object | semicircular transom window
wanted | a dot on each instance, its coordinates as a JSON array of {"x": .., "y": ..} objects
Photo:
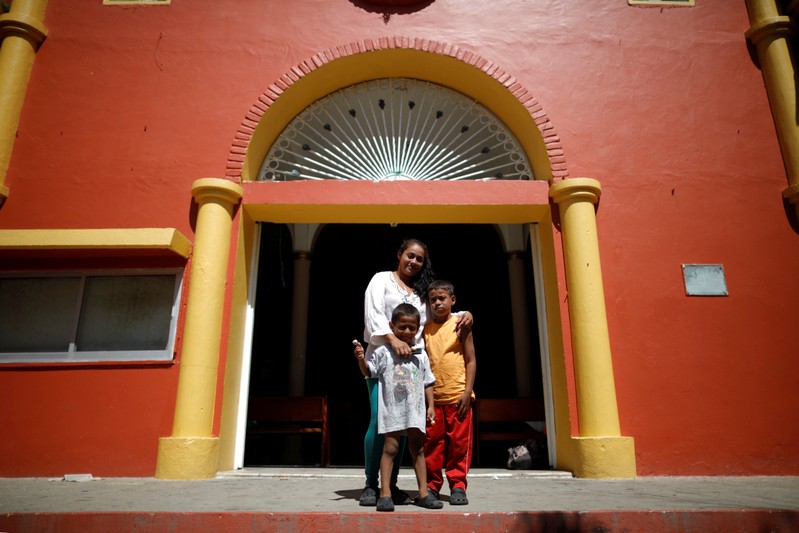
[{"x": 395, "y": 129}]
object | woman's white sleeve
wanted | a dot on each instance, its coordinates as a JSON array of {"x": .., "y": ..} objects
[{"x": 374, "y": 315}]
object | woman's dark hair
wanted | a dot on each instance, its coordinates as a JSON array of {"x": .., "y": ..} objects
[{"x": 426, "y": 274}]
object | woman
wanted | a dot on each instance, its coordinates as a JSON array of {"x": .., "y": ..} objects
[{"x": 406, "y": 284}]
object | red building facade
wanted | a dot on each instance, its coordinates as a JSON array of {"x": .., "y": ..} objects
[{"x": 135, "y": 165}]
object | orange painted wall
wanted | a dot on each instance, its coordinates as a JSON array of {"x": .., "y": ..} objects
[
  {"x": 127, "y": 106},
  {"x": 99, "y": 420}
]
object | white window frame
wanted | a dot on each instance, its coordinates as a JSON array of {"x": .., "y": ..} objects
[{"x": 74, "y": 356}]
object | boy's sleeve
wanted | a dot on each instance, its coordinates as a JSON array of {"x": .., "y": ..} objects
[
  {"x": 376, "y": 362},
  {"x": 371, "y": 367}
]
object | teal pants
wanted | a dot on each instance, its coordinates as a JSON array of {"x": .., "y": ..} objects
[{"x": 373, "y": 442}]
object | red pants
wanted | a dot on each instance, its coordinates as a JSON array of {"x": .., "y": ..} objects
[{"x": 448, "y": 446}]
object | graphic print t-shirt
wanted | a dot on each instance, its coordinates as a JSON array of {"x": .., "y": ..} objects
[{"x": 401, "y": 402}]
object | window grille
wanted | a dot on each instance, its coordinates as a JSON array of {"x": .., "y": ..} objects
[{"x": 396, "y": 129}]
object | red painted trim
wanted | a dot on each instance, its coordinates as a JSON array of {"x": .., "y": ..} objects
[
  {"x": 461, "y": 193},
  {"x": 729, "y": 521}
]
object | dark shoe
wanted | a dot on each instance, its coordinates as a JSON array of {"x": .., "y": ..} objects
[
  {"x": 368, "y": 497},
  {"x": 400, "y": 497},
  {"x": 429, "y": 502},
  {"x": 434, "y": 492},
  {"x": 458, "y": 497},
  {"x": 385, "y": 504}
]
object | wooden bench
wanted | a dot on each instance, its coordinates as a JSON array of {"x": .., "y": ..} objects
[
  {"x": 506, "y": 419},
  {"x": 289, "y": 415}
]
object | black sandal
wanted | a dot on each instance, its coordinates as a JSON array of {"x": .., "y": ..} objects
[
  {"x": 458, "y": 497},
  {"x": 385, "y": 504},
  {"x": 429, "y": 502},
  {"x": 368, "y": 497}
]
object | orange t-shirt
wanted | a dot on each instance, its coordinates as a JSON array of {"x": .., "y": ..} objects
[{"x": 446, "y": 360}]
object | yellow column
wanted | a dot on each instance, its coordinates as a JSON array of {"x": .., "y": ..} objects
[
  {"x": 770, "y": 33},
  {"x": 192, "y": 452},
  {"x": 21, "y": 32},
  {"x": 603, "y": 451}
]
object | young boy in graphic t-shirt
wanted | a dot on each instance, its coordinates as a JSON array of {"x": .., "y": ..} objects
[{"x": 405, "y": 403}]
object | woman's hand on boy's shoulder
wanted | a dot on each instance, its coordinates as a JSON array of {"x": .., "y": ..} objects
[{"x": 463, "y": 322}]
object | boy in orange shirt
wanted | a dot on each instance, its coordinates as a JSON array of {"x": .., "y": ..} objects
[{"x": 448, "y": 441}]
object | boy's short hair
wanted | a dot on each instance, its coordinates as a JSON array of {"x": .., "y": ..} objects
[
  {"x": 405, "y": 310},
  {"x": 442, "y": 284}
]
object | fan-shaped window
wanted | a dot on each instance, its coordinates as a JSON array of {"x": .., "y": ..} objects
[{"x": 392, "y": 129}]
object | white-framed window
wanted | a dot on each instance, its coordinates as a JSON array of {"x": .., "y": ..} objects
[{"x": 89, "y": 316}]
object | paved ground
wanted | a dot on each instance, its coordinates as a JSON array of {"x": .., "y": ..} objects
[{"x": 336, "y": 490}]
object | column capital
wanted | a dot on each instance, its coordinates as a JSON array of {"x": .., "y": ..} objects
[
  {"x": 574, "y": 189},
  {"x": 206, "y": 189},
  {"x": 20, "y": 25},
  {"x": 770, "y": 27}
]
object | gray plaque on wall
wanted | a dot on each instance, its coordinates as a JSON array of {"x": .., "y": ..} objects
[{"x": 704, "y": 280}]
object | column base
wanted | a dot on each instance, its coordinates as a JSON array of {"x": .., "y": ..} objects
[
  {"x": 187, "y": 457},
  {"x": 605, "y": 457}
]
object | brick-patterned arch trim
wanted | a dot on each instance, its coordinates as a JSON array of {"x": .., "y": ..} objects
[{"x": 238, "y": 150}]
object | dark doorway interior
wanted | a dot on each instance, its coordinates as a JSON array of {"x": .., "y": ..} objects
[{"x": 344, "y": 259}]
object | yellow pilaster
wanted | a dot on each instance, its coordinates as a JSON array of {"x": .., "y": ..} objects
[
  {"x": 770, "y": 33},
  {"x": 21, "y": 32},
  {"x": 602, "y": 450},
  {"x": 192, "y": 452}
]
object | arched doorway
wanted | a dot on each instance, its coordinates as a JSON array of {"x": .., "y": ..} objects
[
  {"x": 598, "y": 449},
  {"x": 501, "y": 198},
  {"x": 344, "y": 258},
  {"x": 386, "y": 130}
]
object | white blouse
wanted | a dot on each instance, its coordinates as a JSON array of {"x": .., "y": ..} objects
[{"x": 382, "y": 295}]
